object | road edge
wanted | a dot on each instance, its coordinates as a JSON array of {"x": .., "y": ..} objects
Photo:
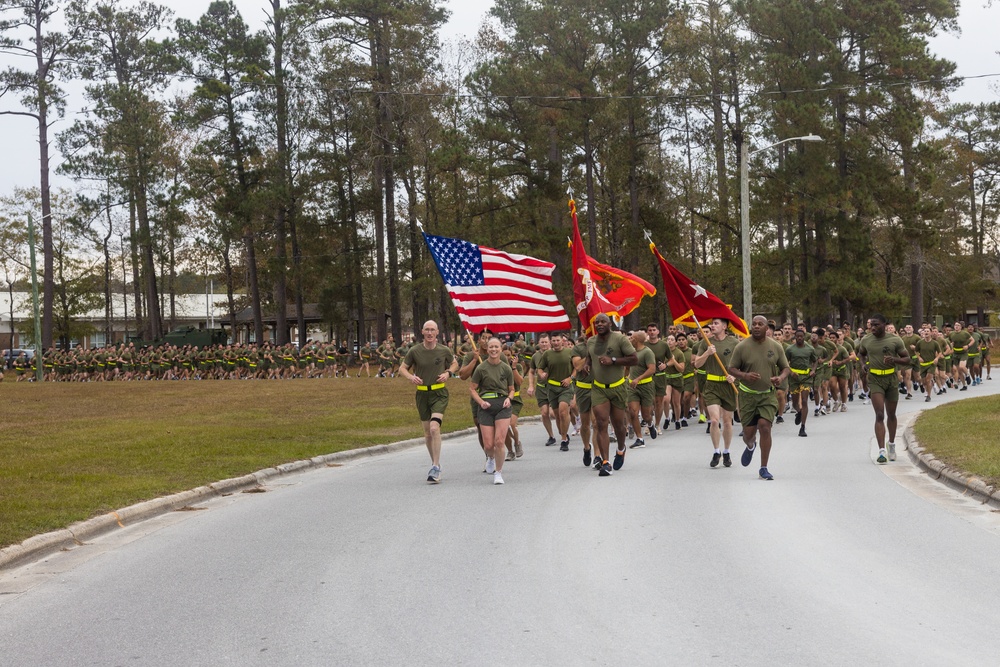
[
  {"x": 75, "y": 535},
  {"x": 953, "y": 477}
]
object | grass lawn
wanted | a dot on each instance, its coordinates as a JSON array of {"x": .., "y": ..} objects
[
  {"x": 73, "y": 451},
  {"x": 966, "y": 435}
]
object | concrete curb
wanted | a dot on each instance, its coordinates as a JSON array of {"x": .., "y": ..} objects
[
  {"x": 953, "y": 477},
  {"x": 77, "y": 534}
]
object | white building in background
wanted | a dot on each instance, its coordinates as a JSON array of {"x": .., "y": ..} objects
[{"x": 197, "y": 310}]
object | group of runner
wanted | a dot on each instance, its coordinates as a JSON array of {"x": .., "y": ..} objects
[
  {"x": 128, "y": 362},
  {"x": 622, "y": 386}
]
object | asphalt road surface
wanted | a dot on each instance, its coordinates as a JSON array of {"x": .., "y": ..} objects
[{"x": 839, "y": 561}]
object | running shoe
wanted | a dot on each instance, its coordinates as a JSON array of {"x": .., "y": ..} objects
[
  {"x": 619, "y": 460},
  {"x": 684, "y": 423},
  {"x": 551, "y": 441},
  {"x": 491, "y": 465},
  {"x": 564, "y": 446},
  {"x": 708, "y": 429},
  {"x": 586, "y": 457},
  {"x": 434, "y": 475},
  {"x": 779, "y": 420},
  {"x": 908, "y": 397},
  {"x": 748, "y": 455},
  {"x": 727, "y": 460},
  {"x": 497, "y": 477},
  {"x": 892, "y": 451},
  {"x": 816, "y": 412},
  {"x": 518, "y": 451},
  {"x": 638, "y": 444},
  {"x": 677, "y": 425},
  {"x": 652, "y": 432},
  {"x": 509, "y": 457},
  {"x": 802, "y": 432},
  {"x": 881, "y": 456},
  {"x": 798, "y": 418},
  {"x": 764, "y": 474},
  {"x": 716, "y": 457},
  {"x": 598, "y": 463},
  {"x": 843, "y": 408},
  {"x": 928, "y": 399},
  {"x": 702, "y": 419},
  {"x": 666, "y": 423},
  {"x": 605, "y": 470},
  {"x": 964, "y": 388}
]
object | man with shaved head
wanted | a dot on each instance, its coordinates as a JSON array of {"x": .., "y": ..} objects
[{"x": 428, "y": 366}]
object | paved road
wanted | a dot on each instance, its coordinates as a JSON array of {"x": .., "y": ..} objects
[{"x": 839, "y": 561}]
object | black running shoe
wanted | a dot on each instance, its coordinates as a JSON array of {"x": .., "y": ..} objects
[
  {"x": 677, "y": 425},
  {"x": 779, "y": 420},
  {"x": 802, "y": 431},
  {"x": 798, "y": 418},
  {"x": 727, "y": 460},
  {"x": 716, "y": 457},
  {"x": 619, "y": 460},
  {"x": 764, "y": 474},
  {"x": 666, "y": 423},
  {"x": 684, "y": 423},
  {"x": 564, "y": 446},
  {"x": 652, "y": 432},
  {"x": 605, "y": 470},
  {"x": 598, "y": 463},
  {"x": 551, "y": 441},
  {"x": 638, "y": 444},
  {"x": 586, "y": 457},
  {"x": 965, "y": 388},
  {"x": 850, "y": 397}
]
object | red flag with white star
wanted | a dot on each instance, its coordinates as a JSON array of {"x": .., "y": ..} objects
[{"x": 692, "y": 304}]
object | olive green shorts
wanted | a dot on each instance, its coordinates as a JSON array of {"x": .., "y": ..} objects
[
  {"x": 431, "y": 402},
  {"x": 583, "y": 399},
  {"x": 719, "y": 393},
  {"x": 559, "y": 395},
  {"x": 888, "y": 385},
  {"x": 754, "y": 407},
  {"x": 643, "y": 394},
  {"x": 617, "y": 396}
]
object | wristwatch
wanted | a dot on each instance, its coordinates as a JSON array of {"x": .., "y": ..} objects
[{"x": 614, "y": 360}]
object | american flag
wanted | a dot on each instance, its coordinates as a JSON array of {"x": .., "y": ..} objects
[{"x": 502, "y": 291}]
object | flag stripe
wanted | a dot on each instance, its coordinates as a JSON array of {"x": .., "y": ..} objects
[{"x": 491, "y": 288}]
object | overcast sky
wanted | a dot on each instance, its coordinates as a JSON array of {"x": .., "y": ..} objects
[{"x": 974, "y": 51}]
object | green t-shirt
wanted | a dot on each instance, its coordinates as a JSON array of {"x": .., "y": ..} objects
[
  {"x": 723, "y": 349},
  {"x": 617, "y": 345},
  {"x": 801, "y": 358},
  {"x": 645, "y": 357},
  {"x": 429, "y": 364},
  {"x": 580, "y": 351},
  {"x": 493, "y": 378},
  {"x": 927, "y": 350},
  {"x": 558, "y": 365},
  {"x": 875, "y": 349},
  {"x": 960, "y": 339},
  {"x": 660, "y": 350},
  {"x": 767, "y": 358}
]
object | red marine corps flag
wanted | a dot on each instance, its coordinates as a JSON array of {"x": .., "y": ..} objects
[
  {"x": 690, "y": 303},
  {"x": 599, "y": 288}
]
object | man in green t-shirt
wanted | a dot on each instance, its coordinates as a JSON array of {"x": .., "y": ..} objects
[
  {"x": 555, "y": 371},
  {"x": 960, "y": 342},
  {"x": 802, "y": 359},
  {"x": 660, "y": 351},
  {"x": 609, "y": 352},
  {"x": 719, "y": 390},
  {"x": 641, "y": 392},
  {"x": 759, "y": 364},
  {"x": 882, "y": 352},
  {"x": 428, "y": 366},
  {"x": 926, "y": 354},
  {"x": 538, "y": 388}
]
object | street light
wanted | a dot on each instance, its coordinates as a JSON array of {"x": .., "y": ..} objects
[{"x": 745, "y": 156}]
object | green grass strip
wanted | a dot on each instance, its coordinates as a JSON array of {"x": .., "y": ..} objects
[{"x": 964, "y": 434}]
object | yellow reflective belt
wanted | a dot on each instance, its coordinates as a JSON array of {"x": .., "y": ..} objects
[
  {"x": 876, "y": 371},
  {"x": 583, "y": 385},
  {"x": 674, "y": 376},
  {"x": 554, "y": 383},
  {"x": 644, "y": 381},
  {"x": 601, "y": 385},
  {"x": 717, "y": 378},
  {"x": 661, "y": 373},
  {"x": 688, "y": 375},
  {"x": 748, "y": 390},
  {"x": 433, "y": 387},
  {"x": 929, "y": 363},
  {"x": 491, "y": 394},
  {"x": 516, "y": 394},
  {"x": 801, "y": 372}
]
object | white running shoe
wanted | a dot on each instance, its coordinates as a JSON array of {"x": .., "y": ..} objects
[
  {"x": 491, "y": 465},
  {"x": 892, "y": 451},
  {"x": 497, "y": 477}
]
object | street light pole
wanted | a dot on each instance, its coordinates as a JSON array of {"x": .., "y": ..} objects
[{"x": 745, "y": 156}]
